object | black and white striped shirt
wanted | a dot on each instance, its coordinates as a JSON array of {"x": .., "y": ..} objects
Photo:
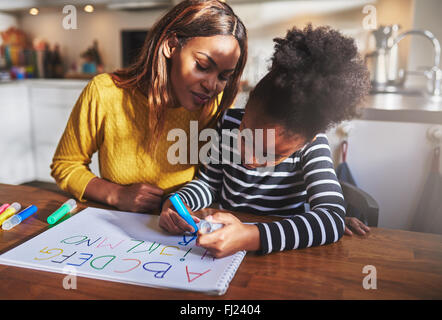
[{"x": 304, "y": 188}]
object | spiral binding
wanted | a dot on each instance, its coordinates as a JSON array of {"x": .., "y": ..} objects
[{"x": 229, "y": 272}]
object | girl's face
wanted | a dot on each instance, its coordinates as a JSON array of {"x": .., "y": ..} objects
[
  {"x": 201, "y": 68},
  {"x": 282, "y": 146}
]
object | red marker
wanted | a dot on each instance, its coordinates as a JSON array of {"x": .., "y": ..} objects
[{"x": 4, "y": 207}]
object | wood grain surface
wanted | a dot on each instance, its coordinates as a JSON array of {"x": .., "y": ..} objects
[{"x": 408, "y": 265}]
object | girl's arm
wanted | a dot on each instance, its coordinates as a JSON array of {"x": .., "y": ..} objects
[
  {"x": 205, "y": 188},
  {"x": 324, "y": 222}
]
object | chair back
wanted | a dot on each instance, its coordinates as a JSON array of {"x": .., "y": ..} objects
[{"x": 360, "y": 204}]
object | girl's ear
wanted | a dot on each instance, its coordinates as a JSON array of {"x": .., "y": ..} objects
[{"x": 170, "y": 45}]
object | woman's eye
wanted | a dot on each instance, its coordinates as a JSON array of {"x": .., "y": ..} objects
[
  {"x": 200, "y": 67},
  {"x": 224, "y": 78}
]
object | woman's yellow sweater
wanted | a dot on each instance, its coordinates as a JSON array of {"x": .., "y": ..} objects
[{"x": 112, "y": 121}]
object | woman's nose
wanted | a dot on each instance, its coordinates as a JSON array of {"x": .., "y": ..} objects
[{"x": 210, "y": 84}]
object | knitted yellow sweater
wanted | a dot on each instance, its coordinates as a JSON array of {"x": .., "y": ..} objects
[{"x": 111, "y": 121}]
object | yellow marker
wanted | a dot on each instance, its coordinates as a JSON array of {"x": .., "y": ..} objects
[{"x": 10, "y": 211}]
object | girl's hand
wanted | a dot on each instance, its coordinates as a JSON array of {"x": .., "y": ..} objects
[
  {"x": 231, "y": 238},
  {"x": 171, "y": 221},
  {"x": 357, "y": 225}
]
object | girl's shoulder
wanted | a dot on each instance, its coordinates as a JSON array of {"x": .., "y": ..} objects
[
  {"x": 319, "y": 146},
  {"x": 231, "y": 118}
]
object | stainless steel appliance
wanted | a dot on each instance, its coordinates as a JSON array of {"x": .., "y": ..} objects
[{"x": 386, "y": 76}]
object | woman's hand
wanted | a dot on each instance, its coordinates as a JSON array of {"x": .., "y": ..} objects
[
  {"x": 357, "y": 225},
  {"x": 171, "y": 221},
  {"x": 231, "y": 238},
  {"x": 137, "y": 197}
]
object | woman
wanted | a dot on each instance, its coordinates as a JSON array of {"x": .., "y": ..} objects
[{"x": 189, "y": 69}]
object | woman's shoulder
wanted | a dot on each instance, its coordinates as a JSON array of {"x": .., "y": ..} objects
[
  {"x": 102, "y": 88},
  {"x": 104, "y": 81}
]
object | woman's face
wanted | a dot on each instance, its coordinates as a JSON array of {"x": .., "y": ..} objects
[{"x": 201, "y": 68}]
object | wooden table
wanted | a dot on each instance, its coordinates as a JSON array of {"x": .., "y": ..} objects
[{"x": 408, "y": 265}]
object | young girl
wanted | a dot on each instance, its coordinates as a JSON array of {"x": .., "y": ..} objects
[
  {"x": 316, "y": 80},
  {"x": 195, "y": 52}
]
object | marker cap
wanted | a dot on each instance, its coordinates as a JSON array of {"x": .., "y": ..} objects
[
  {"x": 11, "y": 222},
  {"x": 207, "y": 227},
  {"x": 71, "y": 203},
  {"x": 15, "y": 205},
  {"x": 67, "y": 207},
  {"x": 11, "y": 210}
]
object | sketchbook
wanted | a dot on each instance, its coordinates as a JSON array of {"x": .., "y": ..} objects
[{"x": 125, "y": 247}]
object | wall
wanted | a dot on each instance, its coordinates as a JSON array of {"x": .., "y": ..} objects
[
  {"x": 427, "y": 17},
  {"x": 264, "y": 22},
  {"x": 103, "y": 25},
  {"x": 6, "y": 21}
]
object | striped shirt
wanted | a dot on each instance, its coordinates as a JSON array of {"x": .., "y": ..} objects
[{"x": 303, "y": 188}]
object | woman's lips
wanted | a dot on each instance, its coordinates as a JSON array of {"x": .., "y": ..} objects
[{"x": 199, "y": 98}]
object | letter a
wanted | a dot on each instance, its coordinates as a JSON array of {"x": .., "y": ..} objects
[
  {"x": 369, "y": 22},
  {"x": 198, "y": 274},
  {"x": 70, "y": 21},
  {"x": 70, "y": 281},
  {"x": 180, "y": 146},
  {"x": 369, "y": 281}
]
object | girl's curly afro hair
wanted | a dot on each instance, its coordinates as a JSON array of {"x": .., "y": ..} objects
[{"x": 316, "y": 80}]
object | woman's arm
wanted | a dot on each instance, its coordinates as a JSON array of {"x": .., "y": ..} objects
[
  {"x": 70, "y": 165},
  {"x": 80, "y": 139}
]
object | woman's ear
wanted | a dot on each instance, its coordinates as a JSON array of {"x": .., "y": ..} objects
[{"x": 170, "y": 45}]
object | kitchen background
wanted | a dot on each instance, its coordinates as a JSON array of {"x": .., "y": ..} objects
[{"x": 47, "y": 57}]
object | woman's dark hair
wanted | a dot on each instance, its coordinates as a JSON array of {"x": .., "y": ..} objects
[
  {"x": 316, "y": 80},
  {"x": 149, "y": 74}
]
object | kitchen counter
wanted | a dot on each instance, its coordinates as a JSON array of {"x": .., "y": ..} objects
[
  {"x": 390, "y": 107},
  {"x": 51, "y": 83},
  {"x": 402, "y": 108},
  {"x": 378, "y": 107}
]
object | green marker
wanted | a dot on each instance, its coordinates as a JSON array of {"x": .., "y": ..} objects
[{"x": 67, "y": 207}]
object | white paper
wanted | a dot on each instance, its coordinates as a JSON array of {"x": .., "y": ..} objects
[{"x": 124, "y": 247}]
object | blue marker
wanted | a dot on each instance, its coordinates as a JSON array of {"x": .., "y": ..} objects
[
  {"x": 182, "y": 211},
  {"x": 19, "y": 217}
]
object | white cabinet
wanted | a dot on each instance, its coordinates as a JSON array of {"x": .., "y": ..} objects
[
  {"x": 33, "y": 116},
  {"x": 50, "y": 110},
  {"x": 16, "y": 149},
  {"x": 51, "y": 106}
]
